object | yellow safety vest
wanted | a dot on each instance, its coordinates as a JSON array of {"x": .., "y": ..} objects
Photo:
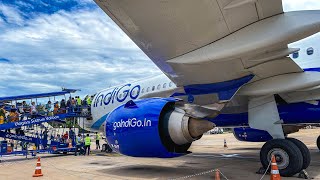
[
  {"x": 78, "y": 101},
  {"x": 87, "y": 141},
  {"x": 89, "y": 101},
  {"x": 98, "y": 137}
]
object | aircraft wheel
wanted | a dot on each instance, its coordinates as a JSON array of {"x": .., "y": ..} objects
[
  {"x": 288, "y": 156},
  {"x": 318, "y": 142},
  {"x": 304, "y": 151}
]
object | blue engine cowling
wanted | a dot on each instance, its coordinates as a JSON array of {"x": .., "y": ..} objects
[
  {"x": 251, "y": 135},
  {"x": 140, "y": 129}
]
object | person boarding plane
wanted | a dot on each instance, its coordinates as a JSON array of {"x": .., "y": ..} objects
[{"x": 225, "y": 63}]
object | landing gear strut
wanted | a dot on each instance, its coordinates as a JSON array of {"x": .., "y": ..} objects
[
  {"x": 288, "y": 156},
  {"x": 292, "y": 155}
]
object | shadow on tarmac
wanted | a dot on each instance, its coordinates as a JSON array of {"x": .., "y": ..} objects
[
  {"x": 234, "y": 165},
  {"x": 151, "y": 171},
  {"x": 247, "y": 149}
]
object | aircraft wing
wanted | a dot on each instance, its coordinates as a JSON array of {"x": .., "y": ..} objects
[{"x": 214, "y": 43}]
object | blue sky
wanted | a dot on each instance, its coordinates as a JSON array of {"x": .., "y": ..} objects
[{"x": 49, "y": 44}]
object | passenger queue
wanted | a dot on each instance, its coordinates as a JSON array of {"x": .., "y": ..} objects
[{"x": 23, "y": 111}]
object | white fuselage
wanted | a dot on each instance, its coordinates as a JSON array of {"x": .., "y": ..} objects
[{"x": 108, "y": 99}]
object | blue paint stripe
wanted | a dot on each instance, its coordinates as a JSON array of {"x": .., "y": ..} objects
[
  {"x": 225, "y": 90},
  {"x": 99, "y": 122},
  {"x": 317, "y": 69},
  {"x": 217, "y": 87}
]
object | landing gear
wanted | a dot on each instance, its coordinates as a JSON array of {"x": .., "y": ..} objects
[
  {"x": 292, "y": 155},
  {"x": 318, "y": 142},
  {"x": 304, "y": 151},
  {"x": 288, "y": 156}
]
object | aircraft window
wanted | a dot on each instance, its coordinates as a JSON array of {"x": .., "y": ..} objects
[
  {"x": 120, "y": 96},
  {"x": 295, "y": 55},
  {"x": 142, "y": 91},
  {"x": 133, "y": 92},
  {"x": 165, "y": 85},
  {"x": 148, "y": 89},
  {"x": 159, "y": 86},
  {"x": 153, "y": 88},
  {"x": 170, "y": 84},
  {"x": 310, "y": 51}
]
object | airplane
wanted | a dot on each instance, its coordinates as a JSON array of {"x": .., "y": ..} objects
[{"x": 225, "y": 63}]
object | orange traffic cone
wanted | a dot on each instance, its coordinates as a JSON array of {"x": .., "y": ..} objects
[
  {"x": 274, "y": 174},
  {"x": 37, "y": 172},
  {"x": 217, "y": 177},
  {"x": 225, "y": 144}
]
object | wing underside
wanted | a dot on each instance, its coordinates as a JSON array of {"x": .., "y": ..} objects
[{"x": 213, "y": 41}]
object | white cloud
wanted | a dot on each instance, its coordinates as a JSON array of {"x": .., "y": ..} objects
[
  {"x": 77, "y": 49},
  {"x": 11, "y": 14},
  {"x": 1, "y": 22},
  {"x": 295, "y": 5}
]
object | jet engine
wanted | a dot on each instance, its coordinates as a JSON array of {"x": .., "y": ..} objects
[{"x": 153, "y": 127}]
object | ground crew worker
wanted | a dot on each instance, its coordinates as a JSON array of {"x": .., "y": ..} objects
[
  {"x": 78, "y": 101},
  {"x": 89, "y": 101},
  {"x": 2, "y": 114},
  {"x": 98, "y": 140},
  {"x": 87, "y": 144},
  {"x": 78, "y": 144}
]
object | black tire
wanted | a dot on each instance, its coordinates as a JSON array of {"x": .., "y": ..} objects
[
  {"x": 304, "y": 151},
  {"x": 291, "y": 160},
  {"x": 318, "y": 142}
]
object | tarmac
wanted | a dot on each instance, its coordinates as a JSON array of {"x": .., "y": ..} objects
[{"x": 239, "y": 161}]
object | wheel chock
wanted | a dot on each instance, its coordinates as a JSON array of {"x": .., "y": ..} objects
[{"x": 304, "y": 175}]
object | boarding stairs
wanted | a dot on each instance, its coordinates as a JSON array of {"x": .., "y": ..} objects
[{"x": 33, "y": 128}]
